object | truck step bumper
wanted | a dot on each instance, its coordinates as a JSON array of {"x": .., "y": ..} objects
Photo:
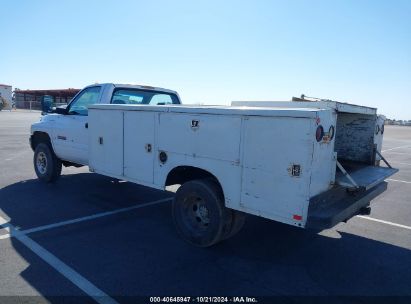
[{"x": 337, "y": 205}]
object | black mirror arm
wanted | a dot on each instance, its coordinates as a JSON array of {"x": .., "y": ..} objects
[{"x": 60, "y": 111}]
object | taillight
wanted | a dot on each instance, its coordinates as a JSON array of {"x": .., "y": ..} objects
[{"x": 319, "y": 134}]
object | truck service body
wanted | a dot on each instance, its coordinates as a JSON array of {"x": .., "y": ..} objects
[{"x": 307, "y": 164}]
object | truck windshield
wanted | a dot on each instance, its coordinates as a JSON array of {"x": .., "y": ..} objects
[{"x": 135, "y": 96}]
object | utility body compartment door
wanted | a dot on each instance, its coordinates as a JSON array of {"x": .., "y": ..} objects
[
  {"x": 122, "y": 144},
  {"x": 139, "y": 145},
  {"x": 272, "y": 147},
  {"x": 106, "y": 142},
  {"x": 208, "y": 136}
]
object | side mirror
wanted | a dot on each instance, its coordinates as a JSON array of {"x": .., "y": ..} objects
[
  {"x": 46, "y": 104},
  {"x": 61, "y": 110}
]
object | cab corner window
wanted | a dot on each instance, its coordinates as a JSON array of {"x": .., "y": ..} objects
[
  {"x": 161, "y": 99},
  {"x": 87, "y": 97}
]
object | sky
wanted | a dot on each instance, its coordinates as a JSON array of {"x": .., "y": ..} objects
[{"x": 214, "y": 52}]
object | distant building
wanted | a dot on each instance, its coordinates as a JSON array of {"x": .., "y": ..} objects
[
  {"x": 398, "y": 122},
  {"x": 6, "y": 93},
  {"x": 27, "y": 99}
]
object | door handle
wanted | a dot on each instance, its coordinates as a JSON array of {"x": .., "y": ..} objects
[{"x": 86, "y": 125}]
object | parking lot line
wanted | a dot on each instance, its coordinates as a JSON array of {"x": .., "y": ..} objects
[
  {"x": 4, "y": 236},
  {"x": 395, "y": 162},
  {"x": 401, "y": 147},
  {"x": 86, "y": 218},
  {"x": 398, "y": 180},
  {"x": 395, "y": 152},
  {"x": 384, "y": 222},
  {"x": 69, "y": 273}
]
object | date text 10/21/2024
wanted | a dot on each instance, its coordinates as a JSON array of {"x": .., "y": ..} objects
[{"x": 203, "y": 300}]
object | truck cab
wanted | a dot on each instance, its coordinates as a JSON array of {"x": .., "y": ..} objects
[{"x": 64, "y": 131}]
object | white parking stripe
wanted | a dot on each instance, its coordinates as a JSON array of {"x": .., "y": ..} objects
[
  {"x": 395, "y": 152},
  {"x": 69, "y": 273},
  {"x": 398, "y": 180},
  {"x": 94, "y": 216},
  {"x": 384, "y": 222},
  {"x": 4, "y": 236},
  {"x": 86, "y": 218},
  {"x": 407, "y": 146},
  {"x": 395, "y": 162}
]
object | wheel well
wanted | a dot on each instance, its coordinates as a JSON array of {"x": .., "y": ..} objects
[
  {"x": 39, "y": 137},
  {"x": 182, "y": 174}
]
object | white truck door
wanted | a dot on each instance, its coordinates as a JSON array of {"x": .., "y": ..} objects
[
  {"x": 71, "y": 132},
  {"x": 139, "y": 146}
]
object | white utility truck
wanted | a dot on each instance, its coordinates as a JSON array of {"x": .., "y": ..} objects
[{"x": 307, "y": 164}]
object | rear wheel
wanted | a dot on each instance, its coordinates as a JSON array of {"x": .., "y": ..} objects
[
  {"x": 199, "y": 213},
  {"x": 46, "y": 164},
  {"x": 237, "y": 222}
]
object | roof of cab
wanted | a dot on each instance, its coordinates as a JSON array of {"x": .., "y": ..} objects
[
  {"x": 134, "y": 86},
  {"x": 143, "y": 87}
]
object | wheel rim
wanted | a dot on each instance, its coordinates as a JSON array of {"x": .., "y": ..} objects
[
  {"x": 196, "y": 214},
  {"x": 41, "y": 162}
]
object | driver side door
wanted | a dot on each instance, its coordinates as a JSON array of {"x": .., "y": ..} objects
[{"x": 71, "y": 132}]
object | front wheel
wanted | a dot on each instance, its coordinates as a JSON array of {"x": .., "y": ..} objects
[{"x": 46, "y": 164}]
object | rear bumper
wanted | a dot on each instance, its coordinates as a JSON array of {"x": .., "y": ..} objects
[{"x": 336, "y": 205}]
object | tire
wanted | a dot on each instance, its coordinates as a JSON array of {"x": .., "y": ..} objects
[
  {"x": 199, "y": 213},
  {"x": 46, "y": 164},
  {"x": 237, "y": 223}
]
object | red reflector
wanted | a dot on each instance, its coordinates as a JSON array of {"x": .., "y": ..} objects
[{"x": 297, "y": 217}]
